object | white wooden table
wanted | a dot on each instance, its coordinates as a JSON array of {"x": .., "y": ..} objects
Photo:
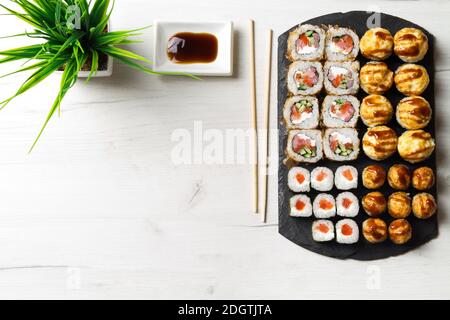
[{"x": 99, "y": 210}]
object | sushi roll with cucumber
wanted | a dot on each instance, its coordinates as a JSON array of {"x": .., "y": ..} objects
[
  {"x": 300, "y": 206},
  {"x": 306, "y": 42},
  {"x": 341, "y": 78},
  {"x": 340, "y": 111},
  {"x": 301, "y": 112},
  {"x": 346, "y": 178},
  {"x": 322, "y": 179},
  {"x": 347, "y": 231},
  {"x": 324, "y": 206},
  {"x": 304, "y": 145},
  {"x": 341, "y": 44},
  {"x": 347, "y": 205},
  {"x": 322, "y": 230},
  {"x": 341, "y": 144},
  {"x": 299, "y": 179},
  {"x": 305, "y": 78}
]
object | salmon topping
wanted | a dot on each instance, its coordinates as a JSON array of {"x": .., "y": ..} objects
[
  {"x": 300, "y": 205},
  {"x": 323, "y": 228},
  {"x": 346, "y": 203},
  {"x": 347, "y": 230},
  {"x": 300, "y": 178},
  {"x": 325, "y": 204}
]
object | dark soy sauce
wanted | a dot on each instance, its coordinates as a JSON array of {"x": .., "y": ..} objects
[{"x": 188, "y": 47}]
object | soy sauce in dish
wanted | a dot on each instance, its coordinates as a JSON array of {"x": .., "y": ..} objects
[{"x": 188, "y": 47}]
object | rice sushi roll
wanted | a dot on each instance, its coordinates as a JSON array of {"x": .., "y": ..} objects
[
  {"x": 324, "y": 206},
  {"x": 347, "y": 205},
  {"x": 305, "y": 78},
  {"x": 341, "y": 77},
  {"x": 299, "y": 179},
  {"x": 341, "y": 144},
  {"x": 304, "y": 145},
  {"x": 306, "y": 42},
  {"x": 342, "y": 44},
  {"x": 340, "y": 111},
  {"x": 347, "y": 231},
  {"x": 301, "y": 112},
  {"x": 346, "y": 178},
  {"x": 322, "y": 179},
  {"x": 322, "y": 230},
  {"x": 300, "y": 206}
]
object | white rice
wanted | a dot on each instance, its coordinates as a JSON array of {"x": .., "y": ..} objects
[
  {"x": 330, "y": 50},
  {"x": 350, "y": 212},
  {"x": 347, "y": 239},
  {"x": 344, "y": 135},
  {"x": 331, "y": 120},
  {"x": 314, "y": 135},
  {"x": 318, "y": 235},
  {"x": 294, "y": 184},
  {"x": 352, "y": 67},
  {"x": 300, "y": 66},
  {"x": 312, "y": 54},
  {"x": 324, "y": 213},
  {"x": 306, "y": 211},
  {"x": 326, "y": 184},
  {"x": 342, "y": 183},
  {"x": 307, "y": 120}
]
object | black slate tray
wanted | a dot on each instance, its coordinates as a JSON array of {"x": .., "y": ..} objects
[{"x": 298, "y": 230}]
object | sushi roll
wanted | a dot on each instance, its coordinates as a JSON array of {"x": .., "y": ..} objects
[
  {"x": 346, "y": 178},
  {"x": 347, "y": 205},
  {"x": 322, "y": 179},
  {"x": 305, "y": 78},
  {"x": 300, "y": 206},
  {"x": 322, "y": 230},
  {"x": 306, "y": 42},
  {"x": 305, "y": 145},
  {"x": 341, "y": 77},
  {"x": 340, "y": 111},
  {"x": 301, "y": 112},
  {"x": 341, "y": 144},
  {"x": 299, "y": 179},
  {"x": 347, "y": 231},
  {"x": 342, "y": 44},
  {"x": 324, "y": 206}
]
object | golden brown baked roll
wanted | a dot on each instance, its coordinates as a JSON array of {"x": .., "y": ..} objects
[
  {"x": 413, "y": 113},
  {"x": 373, "y": 176},
  {"x": 375, "y": 230},
  {"x": 424, "y": 205},
  {"x": 411, "y": 79},
  {"x": 377, "y": 44},
  {"x": 400, "y": 231},
  {"x": 379, "y": 143},
  {"x": 399, "y": 205},
  {"x": 410, "y": 44},
  {"x": 415, "y": 145},
  {"x": 374, "y": 203},
  {"x": 376, "y": 110},
  {"x": 376, "y": 77},
  {"x": 423, "y": 178},
  {"x": 399, "y": 177}
]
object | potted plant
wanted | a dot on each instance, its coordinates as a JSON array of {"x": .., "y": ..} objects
[{"x": 76, "y": 41}]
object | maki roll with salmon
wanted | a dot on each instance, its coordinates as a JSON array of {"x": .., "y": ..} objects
[
  {"x": 299, "y": 179},
  {"x": 306, "y": 42},
  {"x": 324, "y": 206},
  {"x": 340, "y": 111},
  {"x": 301, "y": 112},
  {"x": 305, "y": 78},
  {"x": 341, "y": 144},
  {"x": 300, "y": 206},
  {"x": 342, "y": 44},
  {"x": 305, "y": 146},
  {"x": 322, "y": 230},
  {"x": 347, "y": 205},
  {"x": 322, "y": 179},
  {"x": 341, "y": 78},
  {"x": 347, "y": 231},
  {"x": 346, "y": 178}
]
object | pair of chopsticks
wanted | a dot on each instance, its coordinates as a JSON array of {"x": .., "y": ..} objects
[{"x": 255, "y": 119}]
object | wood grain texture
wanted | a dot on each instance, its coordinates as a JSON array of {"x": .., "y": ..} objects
[{"x": 98, "y": 210}]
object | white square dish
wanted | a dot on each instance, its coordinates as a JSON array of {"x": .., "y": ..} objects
[{"x": 222, "y": 66}]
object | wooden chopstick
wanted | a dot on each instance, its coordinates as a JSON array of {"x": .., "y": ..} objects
[
  {"x": 254, "y": 116},
  {"x": 267, "y": 122}
]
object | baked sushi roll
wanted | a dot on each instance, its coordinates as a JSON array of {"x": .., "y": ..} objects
[
  {"x": 347, "y": 205},
  {"x": 342, "y": 44},
  {"x": 341, "y": 78},
  {"x": 410, "y": 44},
  {"x": 347, "y": 231},
  {"x": 346, "y": 178},
  {"x": 411, "y": 79},
  {"x": 424, "y": 205},
  {"x": 301, "y": 112},
  {"x": 341, "y": 144},
  {"x": 374, "y": 203},
  {"x": 340, "y": 111},
  {"x": 322, "y": 179},
  {"x": 305, "y": 145},
  {"x": 299, "y": 179},
  {"x": 300, "y": 206},
  {"x": 306, "y": 42},
  {"x": 376, "y": 77},
  {"x": 322, "y": 230},
  {"x": 376, "y": 110},
  {"x": 373, "y": 176},
  {"x": 377, "y": 44},
  {"x": 379, "y": 143},
  {"x": 415, "y": 146},
  {"x": 305, "y": 78},
  {"x": 324, "y": 206},
  {"x": 413, "y": 113},
  {"x": 400, "y": 231},
  {"x": 375, "y": 230},
  {"x": 423, "y": 178}
]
